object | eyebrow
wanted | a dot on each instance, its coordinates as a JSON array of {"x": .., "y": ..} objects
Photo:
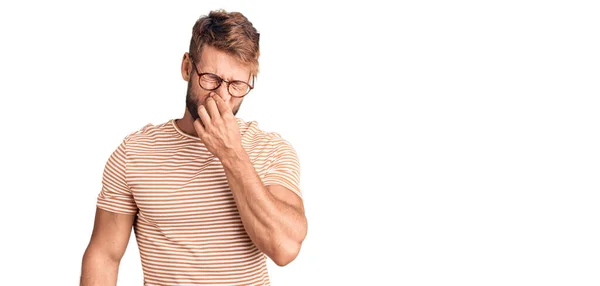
[
  {"x": 230, "y": 80},
  {"x": 227, "y": 79}
]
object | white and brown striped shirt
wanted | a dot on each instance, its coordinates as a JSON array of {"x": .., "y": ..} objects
[{"x": 188, "y": 228}]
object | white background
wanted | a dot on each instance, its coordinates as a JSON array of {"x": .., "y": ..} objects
[{"x": 441, "y": 142}]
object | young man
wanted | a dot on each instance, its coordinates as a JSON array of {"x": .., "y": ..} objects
[{"x": 209, "y": 195}]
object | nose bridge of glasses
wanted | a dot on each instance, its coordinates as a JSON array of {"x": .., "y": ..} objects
[{"x": 223, "y": 90}]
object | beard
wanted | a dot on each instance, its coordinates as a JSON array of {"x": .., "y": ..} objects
[{"x": 191, "y": 103}]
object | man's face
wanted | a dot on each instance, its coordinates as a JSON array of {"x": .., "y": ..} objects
[{"x": 225, "y": 66}]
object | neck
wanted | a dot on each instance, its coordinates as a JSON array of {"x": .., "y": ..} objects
[{"x": 186, "y": 124}]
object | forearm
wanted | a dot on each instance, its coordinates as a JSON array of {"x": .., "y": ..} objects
[
  {"x": 98, "y": 269},
  {"x": 274, "y": 226}
]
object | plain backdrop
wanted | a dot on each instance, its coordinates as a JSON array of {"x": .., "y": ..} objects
[{"x": 440, "y": 142}]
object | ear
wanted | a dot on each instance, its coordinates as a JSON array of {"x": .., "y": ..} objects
[{"x": 186, "y": 67}]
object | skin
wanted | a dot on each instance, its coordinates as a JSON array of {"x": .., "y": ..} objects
[
  {"x": 196, "y": 96},
  {"x": 273, "y": 216},
  {"x": 106, "y": 248}
]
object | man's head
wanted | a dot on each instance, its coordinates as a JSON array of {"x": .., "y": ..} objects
[{"x": 226, "y": 45}]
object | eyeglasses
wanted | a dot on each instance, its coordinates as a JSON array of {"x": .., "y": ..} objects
[{"x": 211, "y": 81}]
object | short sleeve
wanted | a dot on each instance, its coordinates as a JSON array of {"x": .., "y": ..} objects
[
  {"x": 285, "y": 169},
  {"x": 115, "y": 195}
]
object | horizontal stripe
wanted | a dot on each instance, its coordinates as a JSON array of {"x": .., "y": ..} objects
[{"x": 188, "y": 228}]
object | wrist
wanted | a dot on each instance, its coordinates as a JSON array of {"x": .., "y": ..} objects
[{"x": 233, "y": 156}]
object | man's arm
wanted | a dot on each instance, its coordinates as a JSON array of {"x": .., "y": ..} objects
[
  {"x": 273, "y": 216},
  {"x": 108, "y": 243}
]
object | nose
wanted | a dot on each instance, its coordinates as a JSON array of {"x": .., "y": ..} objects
[{"x": 223, "y": 92}]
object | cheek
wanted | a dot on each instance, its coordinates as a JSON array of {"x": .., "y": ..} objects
[
  {"x": 198, "y": 95},
  {"x": 233, "y": 103}
]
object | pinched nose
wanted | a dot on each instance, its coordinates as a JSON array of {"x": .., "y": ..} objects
[
  {"x": 226, "y": 96},
  {"x": 223, "y": 92}
]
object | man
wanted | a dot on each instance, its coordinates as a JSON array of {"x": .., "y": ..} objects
[{"x": 209, "y": 195}]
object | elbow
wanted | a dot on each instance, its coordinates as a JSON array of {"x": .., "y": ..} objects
[
  {"x": 286, "y": 247},
  {"x": 286, "y": 253},
  {"x": 286, "y": 250}
]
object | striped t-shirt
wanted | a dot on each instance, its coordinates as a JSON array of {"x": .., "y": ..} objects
[{"x": 188, "y": 227}]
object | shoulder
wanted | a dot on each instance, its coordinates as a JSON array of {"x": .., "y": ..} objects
[
  {"x": 252, "y": 131},
  {"x": 146, "y": 134},
  {"x": 255, "y": 137}
]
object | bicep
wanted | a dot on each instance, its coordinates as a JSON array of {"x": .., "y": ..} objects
[{"x": 111, "y": 233}]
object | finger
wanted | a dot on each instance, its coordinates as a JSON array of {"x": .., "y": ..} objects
[
  {"x": 223, "y": 107},
  {"x": 199, "y": 128},
  {"x": 211, "y": 105},
  {"x": 206, "y": 121}
]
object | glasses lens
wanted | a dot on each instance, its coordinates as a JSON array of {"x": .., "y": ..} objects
[
  {"x": 239, "y": 88},
  {"x": 210, "y": 81}
]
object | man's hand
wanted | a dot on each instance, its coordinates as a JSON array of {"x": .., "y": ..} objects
[{"x": 218, "y": 129}]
